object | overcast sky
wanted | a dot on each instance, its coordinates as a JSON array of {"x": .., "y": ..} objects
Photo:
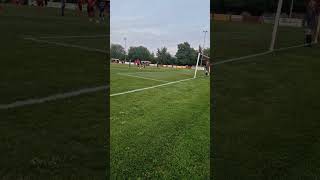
[{"x": 158, "y": 23}]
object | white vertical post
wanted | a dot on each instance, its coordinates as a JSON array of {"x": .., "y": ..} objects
[
  {"x": 291, "y": 9},
  {"x": 316, "y": 38},
  {"x": 195, "y": 72},
  {"x": 276, "y": 24}
]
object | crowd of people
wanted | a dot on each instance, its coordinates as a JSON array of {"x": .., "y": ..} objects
[{"x": 92, "y": 5}]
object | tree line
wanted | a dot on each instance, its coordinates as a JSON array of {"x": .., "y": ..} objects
[
  {"x": 255, "y": 7},
  {"x": 185, "y": 55}
]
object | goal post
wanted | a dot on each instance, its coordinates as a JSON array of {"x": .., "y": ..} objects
[
  {"x": 276, "y": 24},
  {"x": 270, "y": 29},
  {"x": 206, "y": 68},
  {"x": 196, "y": 69}
]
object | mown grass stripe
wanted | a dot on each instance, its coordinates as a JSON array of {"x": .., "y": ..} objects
[{"x": 52, "y": 97}]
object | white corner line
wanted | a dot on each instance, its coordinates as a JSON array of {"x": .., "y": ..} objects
[
  {"x": 291, "y": 47},
  {"x": 150, "y": 87},
  {"x": 52, "y": 97},
  {"x": 242, "y": 57},
  {"x": 258, "y": 54}
]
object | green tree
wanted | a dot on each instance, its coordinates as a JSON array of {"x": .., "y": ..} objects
[
  {"x": 163, "y": 56},
  {"x": 153, "y": 58},
  {"x": 117, "y": 51},
  {"x": 186, "y": 55},
  {"x": 139, "y": 52},
  {"x": 173, "y": 60}
]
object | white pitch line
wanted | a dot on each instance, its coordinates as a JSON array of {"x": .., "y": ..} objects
[
  {"x": 150, "y": 87},
  {"x": 52, "y": 97},
  {"x": 241, "y": 58},
  {"x": 258, "y": 54},
  {"x": 291, "y": 47},
  {"x": 66, "y": 45},
  {"x": 140, "y": 77}
]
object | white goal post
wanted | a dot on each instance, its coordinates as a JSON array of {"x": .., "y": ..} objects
[
  {"x": 195, "y": 71},
  {"x": 197, "y": 65},
  {"x": 276, "y": 24}
]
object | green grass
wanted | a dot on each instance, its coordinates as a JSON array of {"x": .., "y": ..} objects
[
  {"x": 266, "y": 108},
  {"x": 62, "y": 139},
  {"x": 161, "y": 132}
]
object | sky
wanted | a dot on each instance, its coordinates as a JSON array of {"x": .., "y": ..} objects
[{"x": 158, "y": 23}]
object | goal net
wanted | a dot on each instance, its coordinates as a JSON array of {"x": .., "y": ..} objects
[{"x": 245, "y": 28}]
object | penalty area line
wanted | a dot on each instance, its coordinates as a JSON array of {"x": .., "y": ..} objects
[
  {"x": 150, "y": 87},
  {"x": 52, "y": 97},
  {"x": 65, "y": 45}
]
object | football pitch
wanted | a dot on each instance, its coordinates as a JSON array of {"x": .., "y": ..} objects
[
  {"x": 53, "y": 116},
  {"x": 266, "y": 123},
  {"x": 159, "y": 123}
]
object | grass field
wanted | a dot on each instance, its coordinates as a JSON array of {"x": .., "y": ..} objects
[
  {"x": 266, "y": 123},
  {"x": 163, "y": 132},
  {"x": 61, "y": 139}
]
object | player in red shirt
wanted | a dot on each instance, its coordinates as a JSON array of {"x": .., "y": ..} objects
[
  {"x": 90, "y": 9},
  {"x": 138, "y": 63}
]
